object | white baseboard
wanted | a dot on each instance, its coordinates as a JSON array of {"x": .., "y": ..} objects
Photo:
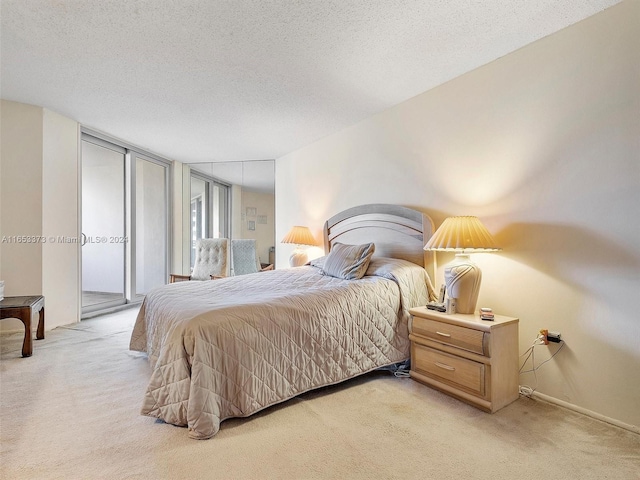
[{"x": 588, "y": 413}]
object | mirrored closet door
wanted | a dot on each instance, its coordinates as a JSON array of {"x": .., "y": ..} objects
[{"x": 251, "y": 209}]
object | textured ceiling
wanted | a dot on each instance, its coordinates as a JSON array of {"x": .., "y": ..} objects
[{"x": 227, "y": 80}]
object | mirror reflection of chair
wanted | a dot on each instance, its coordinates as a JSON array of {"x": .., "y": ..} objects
[
  {"x": 212, "y": 261},
  {"x": 244, "y": 257}
]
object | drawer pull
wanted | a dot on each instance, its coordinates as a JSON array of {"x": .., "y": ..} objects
[
  {"x": 443, "y": 334},
  {"x": 446, "y": 367}
]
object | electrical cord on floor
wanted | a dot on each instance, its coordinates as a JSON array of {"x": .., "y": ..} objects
[
  {"x": 526, "y": 390},
  {"x": 400, "y": 370}
]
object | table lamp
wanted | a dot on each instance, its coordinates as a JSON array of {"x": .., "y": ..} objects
[
  {"x": 463, "y": 235},
  {"x": 299, "y": 236}
]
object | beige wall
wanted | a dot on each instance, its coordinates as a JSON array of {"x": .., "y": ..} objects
[
  {"x": 60, "y": 218},
  {"x": 21, "y": 173},
  {"x": 544, "y": 146},
  {"x": 264, "y": 233},
  {"x": 39, "y": 171}
]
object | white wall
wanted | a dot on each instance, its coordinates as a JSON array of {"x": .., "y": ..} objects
[
  {"x": 60, "y": 218},
  {"x": 544, "y": 146},
  {"x": 39, "y": 198}
]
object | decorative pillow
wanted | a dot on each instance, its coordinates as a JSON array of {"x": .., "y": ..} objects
[{"x": 349, "y": 262}]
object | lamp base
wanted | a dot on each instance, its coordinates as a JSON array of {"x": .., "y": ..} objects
[
  {"x": 298, "y": 258},
  {"x": 463, "y": 278}
]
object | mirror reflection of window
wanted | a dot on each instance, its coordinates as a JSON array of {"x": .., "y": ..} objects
[{"x": 252, "y": 201}]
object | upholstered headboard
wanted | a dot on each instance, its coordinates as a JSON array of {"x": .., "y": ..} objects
[{"x": 398, "y": 232}]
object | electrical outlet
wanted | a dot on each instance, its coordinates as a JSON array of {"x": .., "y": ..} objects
[
  {"x": 554, "y": 337},
  {"x": 546, "y": 336}
]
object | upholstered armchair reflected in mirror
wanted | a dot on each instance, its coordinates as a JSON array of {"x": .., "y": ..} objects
[
  {"x": 211, "y": 262},
  {"x": 245, "y": 259}
]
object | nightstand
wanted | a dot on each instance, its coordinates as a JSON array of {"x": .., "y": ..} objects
[{"x": 473, "y": 360}]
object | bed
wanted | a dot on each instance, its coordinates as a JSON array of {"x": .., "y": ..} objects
[{"x": 232, "y": 347}]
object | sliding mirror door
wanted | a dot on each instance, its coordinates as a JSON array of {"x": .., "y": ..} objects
[
  {"x": 103, "y": 218},
  {"x": 125, "y": 224},
  {"x": 151, "y": 225}
]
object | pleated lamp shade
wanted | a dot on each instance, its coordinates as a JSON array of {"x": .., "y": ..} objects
[
  {"x": 462, "y": 234},
  {"x": 462, "y": 277},
  {"x": 300, "y": 236}
]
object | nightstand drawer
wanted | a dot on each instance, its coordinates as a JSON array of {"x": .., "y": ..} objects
[
  {"x": 457, "y": 371},
  {"x": 461, "y": 337}
]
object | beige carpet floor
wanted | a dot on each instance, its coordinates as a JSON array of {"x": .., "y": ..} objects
[{"x": 71, "y": 411}]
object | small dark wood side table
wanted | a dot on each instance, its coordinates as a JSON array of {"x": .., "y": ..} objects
[{"x": 23, "y": 308}]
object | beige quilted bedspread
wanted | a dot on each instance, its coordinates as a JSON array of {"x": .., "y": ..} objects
[{"x": 231, "y": 347}]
